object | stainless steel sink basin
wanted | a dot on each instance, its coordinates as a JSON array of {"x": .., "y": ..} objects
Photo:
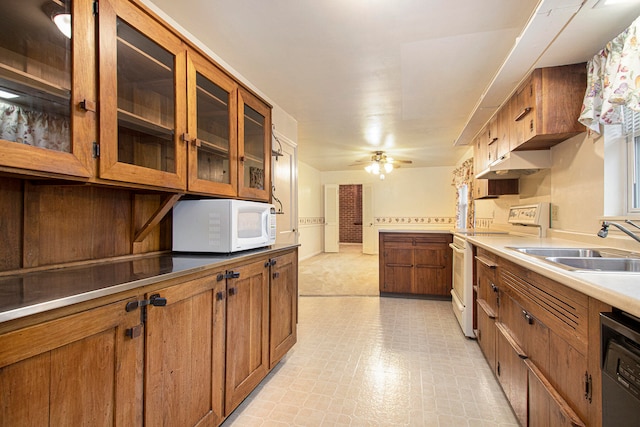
[
  {"x": 586, "y": 259},
  {"x": 560, "y": 252},
  {"x": 599, "y": 264}
]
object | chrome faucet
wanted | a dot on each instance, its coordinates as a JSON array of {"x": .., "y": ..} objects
[{"x": 604, "y": 231}]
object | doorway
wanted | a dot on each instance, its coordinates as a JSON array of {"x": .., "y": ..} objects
[
  {"x": 350, "y": 214},
  {"x": 362, "y": 206}
]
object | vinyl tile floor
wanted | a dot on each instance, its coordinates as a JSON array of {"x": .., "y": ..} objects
[{"x": 371, "y": 361}]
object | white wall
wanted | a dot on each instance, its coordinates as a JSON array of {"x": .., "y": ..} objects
[
  {"x": 408, "y": 198},
  {"x": 310, "y": 211},
  {"x": 573, "y": 185},
  {"x": 406, "y": 192}
]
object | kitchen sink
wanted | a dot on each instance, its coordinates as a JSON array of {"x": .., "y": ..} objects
[
  {"x": 586, "y": 259},
  {"x": 598, "y": 264},
  {"x": 560, "y": 252}
]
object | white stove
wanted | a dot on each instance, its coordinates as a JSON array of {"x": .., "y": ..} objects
[
  {"x": 534, "y": 215},
  {"x": 462, "y": 290}
]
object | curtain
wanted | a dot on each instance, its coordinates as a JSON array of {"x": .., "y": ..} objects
[
  {"x": 613, "y": 81},
  {"x": 43, "y": 130},
  {"x": 461, "y": 176}
]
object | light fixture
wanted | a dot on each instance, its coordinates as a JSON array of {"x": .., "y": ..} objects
[
  {"x": 7, "y": 95},
  {"x": 379, "y": 163},
  {"x": 60, "y": 15},
  {"x": 63, "y": 22}
]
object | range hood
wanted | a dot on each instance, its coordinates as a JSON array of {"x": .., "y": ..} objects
[{"x": 517, "y": 163}]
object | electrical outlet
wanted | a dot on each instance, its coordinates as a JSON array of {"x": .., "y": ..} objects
[{"x": 554, "y": 212}]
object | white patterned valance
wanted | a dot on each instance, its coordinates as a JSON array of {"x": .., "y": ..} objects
[
  {"x": 613, "y": 80},
  {"x": 24, "y": 126}
]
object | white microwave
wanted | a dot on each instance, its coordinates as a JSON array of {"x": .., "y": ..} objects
[{"x": 222, "y": 226}]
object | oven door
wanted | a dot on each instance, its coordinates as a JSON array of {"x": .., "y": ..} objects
[
  {"x": 462, "y": 292},
  {"x": 459, "y": 248}
]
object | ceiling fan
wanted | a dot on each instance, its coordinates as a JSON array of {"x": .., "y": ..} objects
[{"x": 380, "y": 163}]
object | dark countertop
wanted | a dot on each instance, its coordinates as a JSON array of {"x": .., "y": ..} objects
[{"x": 30, "y": 293}]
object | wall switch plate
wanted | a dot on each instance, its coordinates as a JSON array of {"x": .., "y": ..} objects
[{"x": 554, "y": 212}]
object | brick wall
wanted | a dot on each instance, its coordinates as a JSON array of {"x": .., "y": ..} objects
[{"x": 350, "y": 213}]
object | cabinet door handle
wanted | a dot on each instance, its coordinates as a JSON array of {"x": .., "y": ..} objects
[
  {"x": 494, "y": 288},
  {"x": 219, "y": 296},
  {"x": 232, "y": 291},
  {"x": 157, "y": 301},
  {"x": 528, "y": 317},
  {"x": 87, "y": 105},
  {"x": 276, "y": 274},
  {"x": 487, "y": 263},
  {"x": 522, "y": 114},
  {"x": 134, "y": 332}
]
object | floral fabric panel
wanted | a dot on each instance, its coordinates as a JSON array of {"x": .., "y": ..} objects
[
  {"x": 613, "y": 80},
  {"x": 43, "y": 130},
  {"x": 461, "y": 176}
]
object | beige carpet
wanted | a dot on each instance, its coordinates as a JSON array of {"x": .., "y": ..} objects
[{"x": 348, "y": 272}]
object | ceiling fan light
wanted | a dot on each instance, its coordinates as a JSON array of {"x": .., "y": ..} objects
[
  {"x": 388, "y": 167},
  {"x": 381, "y": 177},
  {"x": 375, "y": 168},
  {"x": 368, "y": 168}
]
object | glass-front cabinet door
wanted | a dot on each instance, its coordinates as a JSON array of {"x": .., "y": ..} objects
[
  {"x": 47, "y": 86},
  {"x": 213, "y": 130},
  {"x": 254, "y": 147},
  {"x": 143, "y": 99}
]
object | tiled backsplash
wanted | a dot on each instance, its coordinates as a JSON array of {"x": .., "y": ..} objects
[
  {"x": 415, "y": 220},
  {"x": 483, "y": 222},
  {"x": 319, "y": 220}
]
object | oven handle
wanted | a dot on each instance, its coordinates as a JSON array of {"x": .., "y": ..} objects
[{"x": 456, "y": 248}]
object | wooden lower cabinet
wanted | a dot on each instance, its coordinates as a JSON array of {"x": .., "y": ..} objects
[
  {"x": 415, "y": 263},
  {"x": 512, "y": 372},
  {"x": 182, "y": 355},
  {"x": 486, "y": 332},
  {"x": 247, "y": 358},
  {"x": 184, "y": 364},
  {"x": 77, "y": 370},
  {"x": 283, "y": 295},
  {"x": 547, "y": 345},
  {"x": 546, "y": 406}
]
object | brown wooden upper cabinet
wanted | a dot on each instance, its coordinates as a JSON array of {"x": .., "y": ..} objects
[
  {"x": 178, "y": 121},
  {"x": 47, "y": 84},
  {"x": 546, "y": 107},
  {"x": 213, "y": 147},
  {"x": 142, "y": 99},
  {"x": 254, "y": 147}
]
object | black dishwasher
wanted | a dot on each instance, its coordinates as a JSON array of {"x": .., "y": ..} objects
[{"x": 620, "y": 358}]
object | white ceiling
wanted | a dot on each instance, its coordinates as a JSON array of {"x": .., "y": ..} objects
[{"x": 407, "y": 76}]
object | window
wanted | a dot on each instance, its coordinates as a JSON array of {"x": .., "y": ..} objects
[
  {"x": 463, "y": 206},
  {"x": 631, "y": 128}
]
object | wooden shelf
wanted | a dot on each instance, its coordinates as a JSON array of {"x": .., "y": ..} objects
[
  {"x": 139, "y": 66},
  {"x": 26, "y": 83},
  {"x": 140, "y": 124},
  {"x": 212, "y": 146},
  {"x": 254, "y": 121},
  {"x": 212, "y": 96},
  {"x": 254, "y": 159}
]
